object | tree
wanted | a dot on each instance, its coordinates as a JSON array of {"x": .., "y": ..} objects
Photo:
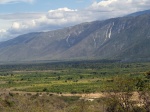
[{"x": 119, "y": 98}]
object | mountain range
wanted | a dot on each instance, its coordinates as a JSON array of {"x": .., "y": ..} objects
[{"x": 123, "y": 38}]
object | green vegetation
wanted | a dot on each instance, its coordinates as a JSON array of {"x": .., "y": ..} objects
[
  {"x": 79, "y": 77},
  {"x": 119, "y": 82}
]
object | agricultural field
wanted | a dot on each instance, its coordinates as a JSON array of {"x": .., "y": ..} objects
[
  {"x": 80, "y": 77},
  {"x": 72, "y": 83}
]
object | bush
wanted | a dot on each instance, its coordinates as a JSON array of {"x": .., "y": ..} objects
[{"x": 45, "y": 89}]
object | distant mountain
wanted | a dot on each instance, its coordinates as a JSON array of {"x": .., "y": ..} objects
[
  {"x": 124, "y": 38},
  {"x": 140, "y": 13}
]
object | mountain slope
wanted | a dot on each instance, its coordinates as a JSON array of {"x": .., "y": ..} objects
[
  {"x": 125, "y": 38},
  {"x": 139, "y": 13}
]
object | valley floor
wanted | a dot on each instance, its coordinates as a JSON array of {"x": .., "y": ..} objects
[{"x": 79, "y": 87}]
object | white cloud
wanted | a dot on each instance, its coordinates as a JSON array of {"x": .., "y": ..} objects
[
  {"x": 14, "y": 1},
  {"x": 122, "y": 6},
  {"x": 114, "y": 8},
  {"x": 53, "y": 19},
  {"x": 21, "y": 16},
  {"x": 2, "y": 31},
  {"x": 3, "y": 34},
  {"x": 59, "y": 13},
  {"x": 16, "y": 25},
  {"x": 62, "y": 17}
]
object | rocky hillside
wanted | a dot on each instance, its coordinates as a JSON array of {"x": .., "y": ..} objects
[{"x": 124, "y": 38}]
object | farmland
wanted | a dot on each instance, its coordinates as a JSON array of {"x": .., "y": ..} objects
[{"x": 83, "y": 77}]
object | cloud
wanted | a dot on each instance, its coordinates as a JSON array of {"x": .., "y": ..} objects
[
  {"x": 51, "y": 20},
  {"x": 3, "y": 34},
  {"x": 59, "y": 13},
  {"x": 21, "y": 16},
  {"x": 116, "y": 8},
  {"x": 14, "y": 1},
  {"x": 16, "y": 25},
  {"x": 63, "y": 17},
  {"x": 122, "y": 6}
]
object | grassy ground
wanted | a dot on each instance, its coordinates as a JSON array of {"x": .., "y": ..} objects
[
  {"x": 70, "y": 78},
  {"x": 31, "y": 88}
]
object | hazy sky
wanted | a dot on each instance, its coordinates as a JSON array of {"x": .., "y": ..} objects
[{"x": 24, "y": 16}]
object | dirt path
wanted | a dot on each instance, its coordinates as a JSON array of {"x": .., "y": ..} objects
[
  {"x": 90, "y": 95},
  {"x": 135, "y": 95}
]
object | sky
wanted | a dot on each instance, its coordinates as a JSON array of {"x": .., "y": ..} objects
[{"x": 18, "y": 17}]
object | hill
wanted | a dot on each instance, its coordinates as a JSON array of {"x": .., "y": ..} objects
[{"x": 123, "y": 38}]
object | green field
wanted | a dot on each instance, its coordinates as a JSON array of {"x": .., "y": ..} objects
[
  {"x": 42, "y": 87},
  {"x": 69, "y": 77}
]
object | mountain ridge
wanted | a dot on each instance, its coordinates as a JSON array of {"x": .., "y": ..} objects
[{"x": 123, "y": 38}]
